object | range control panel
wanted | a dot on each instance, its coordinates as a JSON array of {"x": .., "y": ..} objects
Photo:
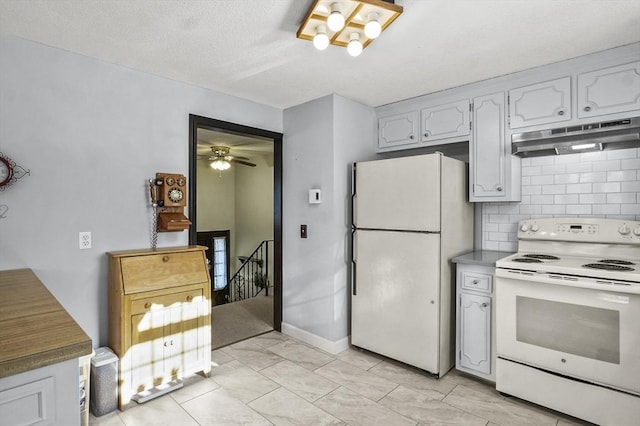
[{"x": 594, "y": 230}]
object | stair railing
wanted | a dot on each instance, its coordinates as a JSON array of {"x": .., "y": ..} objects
[{"x": 252, "y": 277}]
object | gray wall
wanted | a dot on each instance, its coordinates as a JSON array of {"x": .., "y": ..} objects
[
  {"x": 92, "y": 133},
  {"x": 323, "y": 137}
]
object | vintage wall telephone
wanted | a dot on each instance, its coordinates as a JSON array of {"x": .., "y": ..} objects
[{"x": 169, "y": 197}]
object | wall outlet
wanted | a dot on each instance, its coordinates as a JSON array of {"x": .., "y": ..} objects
[{"x": 84, "y": 240}]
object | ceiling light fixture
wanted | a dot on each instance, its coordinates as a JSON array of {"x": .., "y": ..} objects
[
  {"x": 220, "y": 164},
  {"x": 354, "y": 48},
  {"x": 321, "y": 39},
  {"x": 353, "y": 24}
]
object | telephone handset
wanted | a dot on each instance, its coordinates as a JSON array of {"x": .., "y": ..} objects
[{"x": 168, "y": 193}]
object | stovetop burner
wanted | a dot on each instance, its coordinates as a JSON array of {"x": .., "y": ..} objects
[
  {"x": 616, "y": 262},
  {"x": 542, "y": 256},
  {"x": 527, "y": 260},
  {"x": 608, "y": 266}
]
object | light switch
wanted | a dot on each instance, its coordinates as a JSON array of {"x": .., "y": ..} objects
[{"x": 315, "y": 196}]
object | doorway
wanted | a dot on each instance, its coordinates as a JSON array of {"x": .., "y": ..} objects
[{"x": 232, "y": 143}]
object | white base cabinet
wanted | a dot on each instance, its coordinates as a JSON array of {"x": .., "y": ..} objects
[
  {"x": 44, "y": 396},
  {"x": 475, "y": 321}
]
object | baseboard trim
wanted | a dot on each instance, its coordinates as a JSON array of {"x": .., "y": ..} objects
[{"x": 333, "y": 347}]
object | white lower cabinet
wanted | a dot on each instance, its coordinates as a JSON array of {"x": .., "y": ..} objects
[
  {"x": 475, "y": 321},
  {"x": 44, "y": 396}
]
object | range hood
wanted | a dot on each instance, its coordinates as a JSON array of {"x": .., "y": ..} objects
[{"x": 575, "y": 139}]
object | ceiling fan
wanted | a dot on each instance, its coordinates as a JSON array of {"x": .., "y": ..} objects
[{"x": 221, "y": 160}]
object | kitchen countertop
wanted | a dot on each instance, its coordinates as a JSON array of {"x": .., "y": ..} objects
[
  {"x": 481, "y": 257},
  {"x": 35, "y": 330}
]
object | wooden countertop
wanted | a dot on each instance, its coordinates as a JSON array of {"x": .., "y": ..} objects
[{"x": 35, "y": 330}]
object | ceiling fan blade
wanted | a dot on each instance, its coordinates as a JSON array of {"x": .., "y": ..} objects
[
  {"x": 230, "y": 157},
  {"x": 246, "y": 163}
]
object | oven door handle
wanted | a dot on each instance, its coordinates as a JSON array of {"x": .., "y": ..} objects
[{"x": 569, "y": 281}]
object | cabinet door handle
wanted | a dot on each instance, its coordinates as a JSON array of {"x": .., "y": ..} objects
[
  {"x": 166, "y": 344},
  {"x": 561, "y": 112},
  {"x": 484, "y": 305},
  {"x": 410, "y": 136},
  {"x": 426, "y": 135},
  {"x": 499, "y": 188},
  {"x": 165, "y": 258},
  {"x": 147, "y": 305},
  {"x": 189, "y": 298},
  {"x": 587, "y": 108}
]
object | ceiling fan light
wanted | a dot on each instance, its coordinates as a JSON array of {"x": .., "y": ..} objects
[
  {"x": 354, "y": 48},
  {"x": 335, "y": 21},
  {"x": 372, "y": 28},
  {"x": 220, "y": 164},
  {"x": 321, "y": 39}
]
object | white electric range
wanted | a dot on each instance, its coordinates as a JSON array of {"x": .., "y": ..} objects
[{"x": 568, "y": 318}]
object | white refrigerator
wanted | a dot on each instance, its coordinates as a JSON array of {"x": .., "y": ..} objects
[{"x": 410, "y": 217}]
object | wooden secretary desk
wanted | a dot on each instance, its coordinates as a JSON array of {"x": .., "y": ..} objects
[{"x": 159, "y": 318}]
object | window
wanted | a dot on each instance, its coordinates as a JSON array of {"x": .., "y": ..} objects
[{"x": 220, "y": 261}]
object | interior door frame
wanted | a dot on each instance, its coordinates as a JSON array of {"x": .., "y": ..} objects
[{"x": 196, "y": 122}]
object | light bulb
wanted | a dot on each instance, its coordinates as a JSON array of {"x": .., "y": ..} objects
[
  {"x": 372, "y": 29},
  {"x": 354, "y": 48},
  {"x": 321, "y": 39},
  {"x": 335, "y": 21},
  {"x": 220, "y": 165}
]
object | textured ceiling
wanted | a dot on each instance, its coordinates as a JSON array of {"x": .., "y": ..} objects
[{"x": 248, "y": 48}]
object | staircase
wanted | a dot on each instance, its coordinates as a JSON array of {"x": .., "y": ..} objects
[{"x": 252, "y": 278}]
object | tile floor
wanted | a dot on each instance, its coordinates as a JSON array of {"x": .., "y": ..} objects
[{"x": 275, "y": 379}]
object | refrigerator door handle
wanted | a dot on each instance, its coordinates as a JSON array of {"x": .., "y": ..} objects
[
  {"x": 354, "y": 264},
  {"x": 354, "y": 209},
  {"x": 354, "y": 200}
]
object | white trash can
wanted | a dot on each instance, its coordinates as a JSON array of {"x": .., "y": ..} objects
[{"x": 104, "y": 382}]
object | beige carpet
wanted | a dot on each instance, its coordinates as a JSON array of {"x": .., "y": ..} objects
[{"x": 233, "y": 322}]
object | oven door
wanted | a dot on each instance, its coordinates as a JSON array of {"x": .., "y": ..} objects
[{"x": 587, "y": 331}]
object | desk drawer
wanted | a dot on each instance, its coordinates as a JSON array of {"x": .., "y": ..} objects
[
  {"x": 162, "y": 270},
  {"x": 476, "y": 281},
  {"x": 145, "y": 305}
]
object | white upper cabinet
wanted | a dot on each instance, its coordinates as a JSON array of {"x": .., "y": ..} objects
[
  {"x": 609, "y": 91},
  {"x": 543, "y": 103},
  {"x": 488, "y": 152},
  {"x": 398, "y": 130},
  {"x": 445, "y": 121}
]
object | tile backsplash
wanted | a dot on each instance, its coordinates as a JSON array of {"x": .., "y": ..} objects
[{"x": 597, "y": 184}]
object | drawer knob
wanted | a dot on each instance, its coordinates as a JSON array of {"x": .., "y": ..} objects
[
  {"x": 189, "y": 298},
  {"x": 147, "y": 305},
  {"x": 165, "y": 258},
  {"x": 475, "y": 282},
  {"x": 561, "y": 112},
  {"x": 587, "y": 108}
]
